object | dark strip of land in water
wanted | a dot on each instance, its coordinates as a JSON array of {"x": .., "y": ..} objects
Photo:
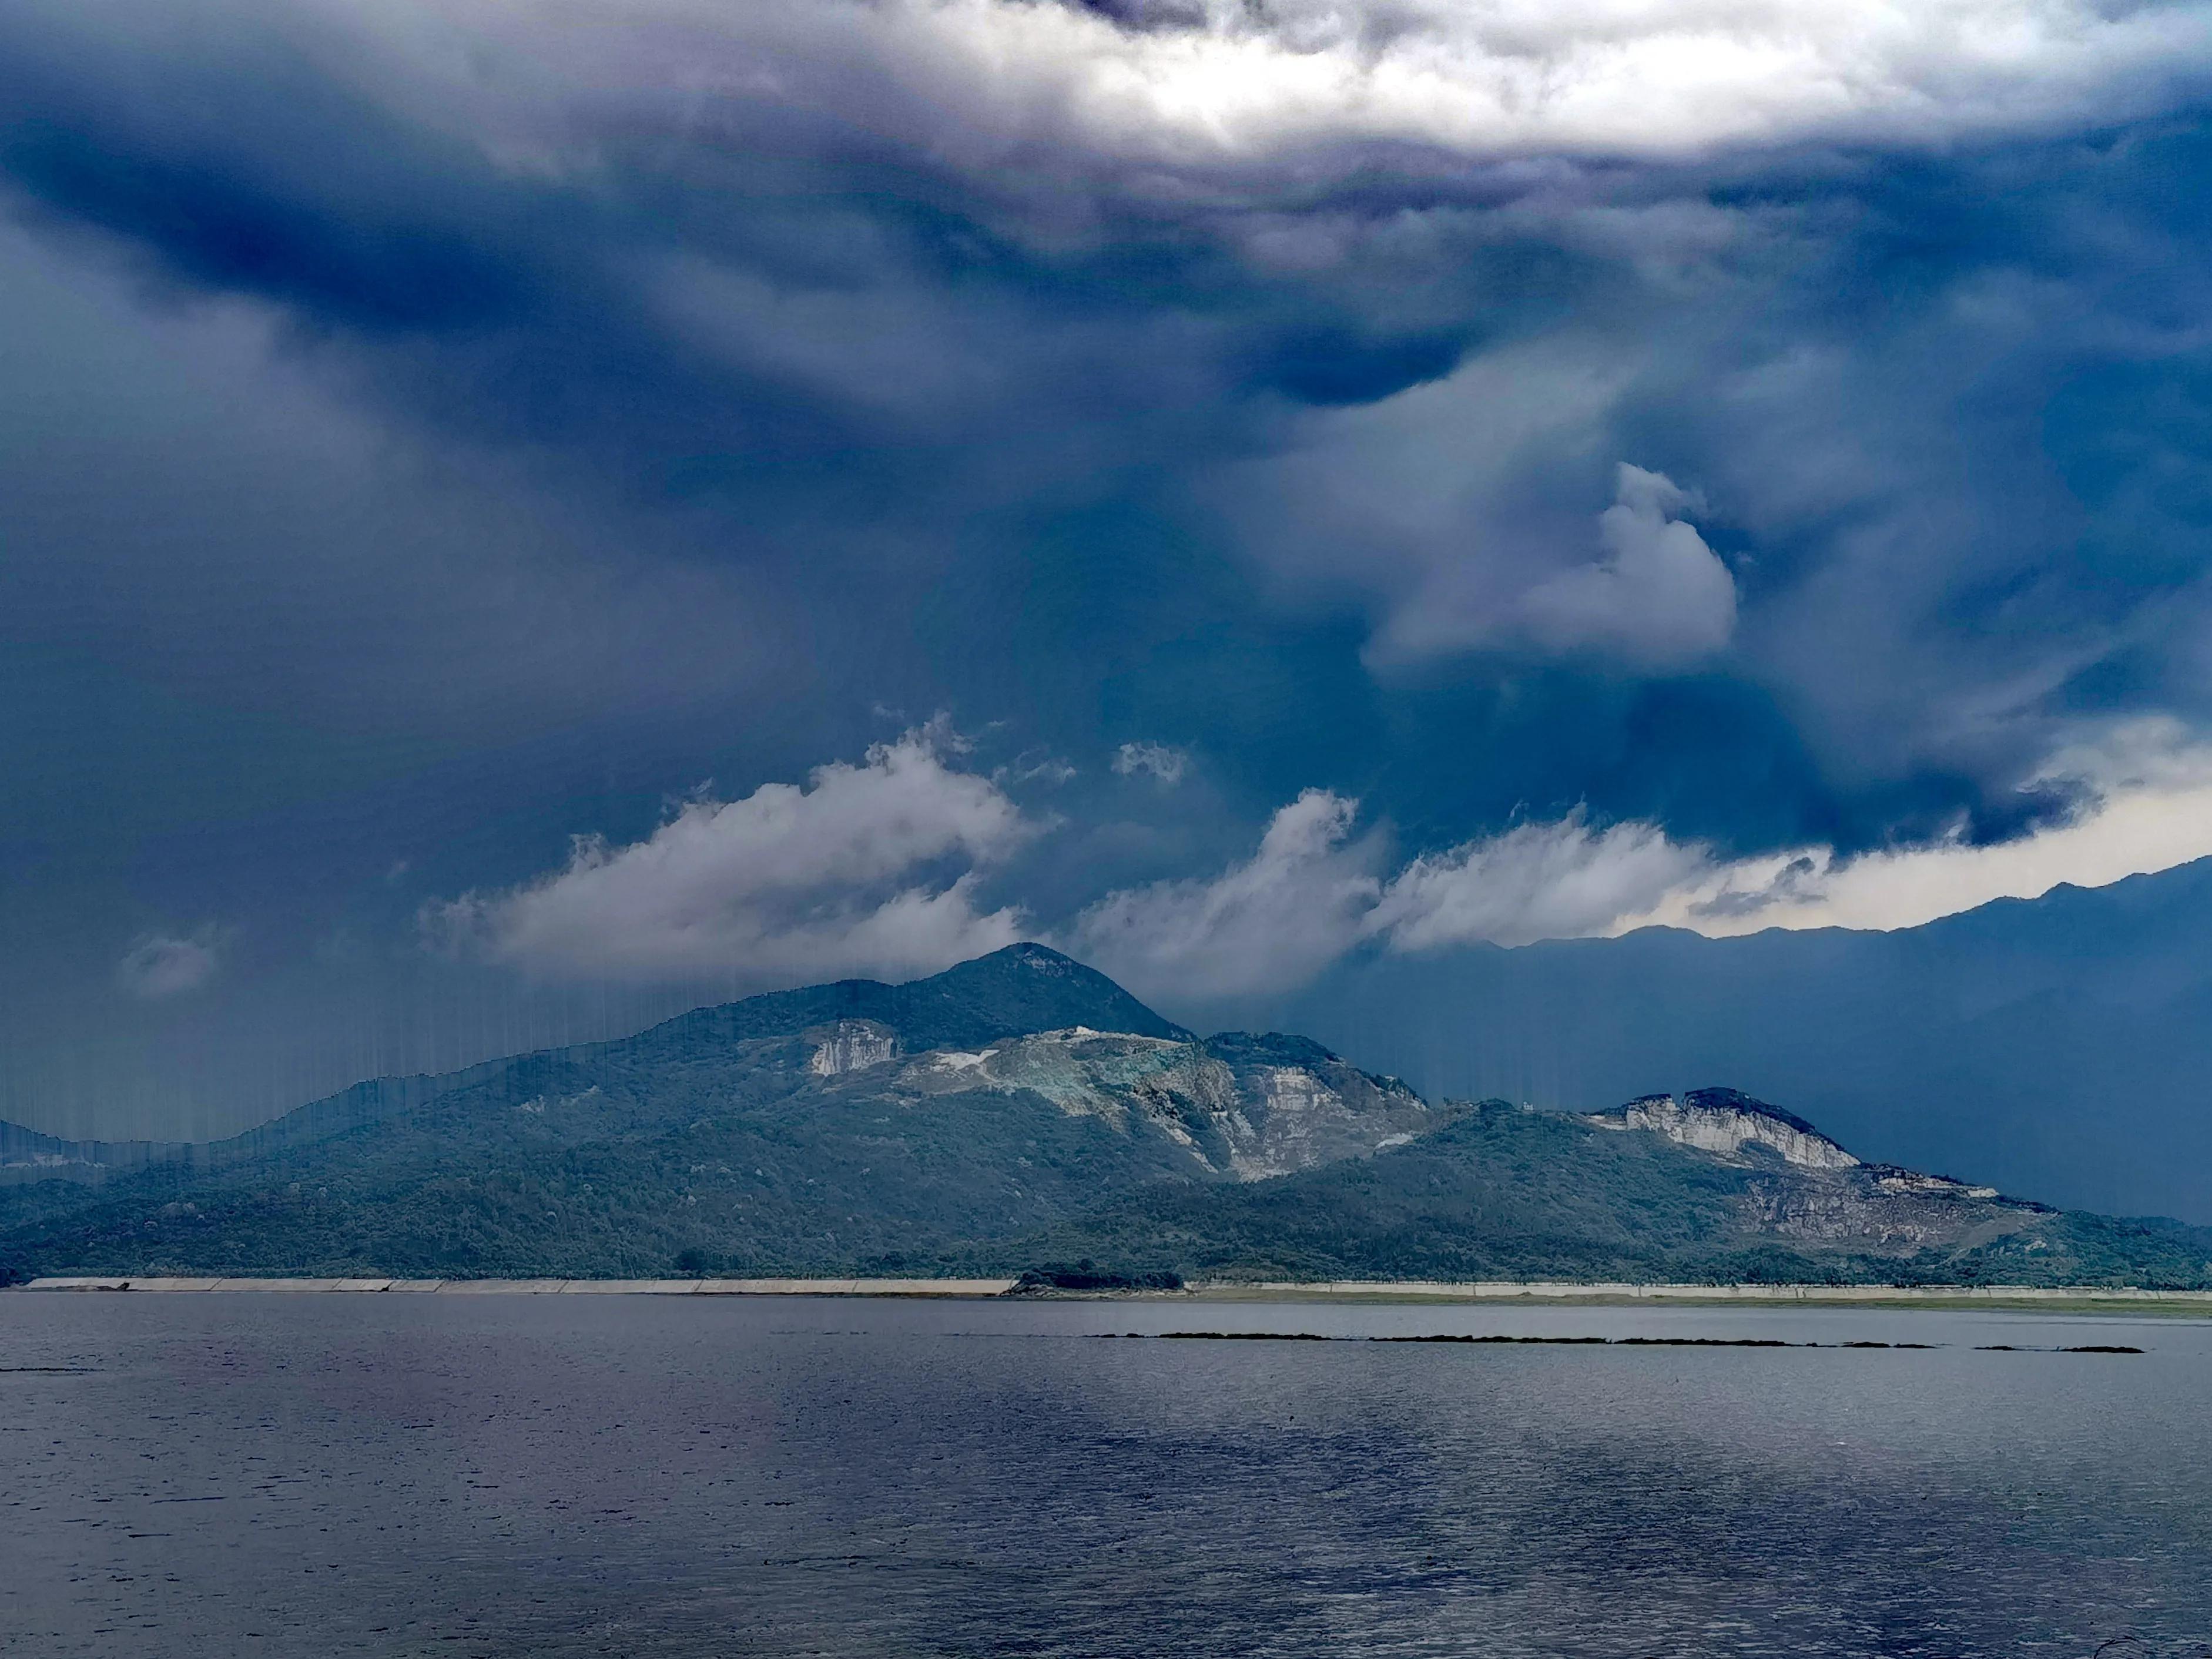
[{"x": 1589, "y": 1341}]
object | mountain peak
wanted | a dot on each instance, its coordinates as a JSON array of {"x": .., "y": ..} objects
[
  {"x": 1016, "y": 991},
  {"x": 1029, "y": 988},
  {"x": 1041, "y": 957}
]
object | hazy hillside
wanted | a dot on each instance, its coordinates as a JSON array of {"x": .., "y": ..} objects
[{"x": 2060, "y": 1046}]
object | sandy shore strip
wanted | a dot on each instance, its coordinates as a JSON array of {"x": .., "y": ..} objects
[
  {"x": 937, "y": 1287},
  {"x": 2054, "y": 1299}
]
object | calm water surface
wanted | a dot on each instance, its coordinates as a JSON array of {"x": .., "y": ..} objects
[{"x": 505, "y": 1475}]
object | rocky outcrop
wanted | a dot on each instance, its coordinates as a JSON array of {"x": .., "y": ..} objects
[
  {"x": 1805, "y": 1188},
  {"x": 851, "y": 1045},
  {"x": 1723, "y": 1121},
  {"x": 1891, "y": 1179},
  {"x": 1239, "y": 1105},
  {"x": 1861, "y": 1210},
  {"x": 1302, "y": 1106}
]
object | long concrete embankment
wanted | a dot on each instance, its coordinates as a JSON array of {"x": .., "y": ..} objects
[{"x": 2197, "y": 1302}]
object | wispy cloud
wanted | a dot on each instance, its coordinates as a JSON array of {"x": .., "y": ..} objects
[
  {"x": 158, "y": 966},
  {"x": 1267, "y": 923},
  {"x": 1560, "y": 880},
  {"x": 2148, "y": 807},
  {"x": 1156, "y": 761}
]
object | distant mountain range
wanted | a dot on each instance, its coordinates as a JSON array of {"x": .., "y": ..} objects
[
  {"x": 1020, "y": 1111},
  {"x": 2059, "y": 1046}
]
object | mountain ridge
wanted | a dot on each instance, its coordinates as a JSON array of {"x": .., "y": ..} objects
[
  {"x": 2059, "y": 1045},
  {"x": 977, "y": 1121},
  {"x": 944, "y": 1007}
]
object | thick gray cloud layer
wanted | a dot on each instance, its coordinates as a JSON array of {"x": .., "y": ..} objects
[{"x": 1631, "y": 450}]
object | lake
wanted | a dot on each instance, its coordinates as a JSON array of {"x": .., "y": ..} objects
[{"x": 505, "y": 1475}]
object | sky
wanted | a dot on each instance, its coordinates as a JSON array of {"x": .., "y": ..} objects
[{"x": 519, "y": 516}]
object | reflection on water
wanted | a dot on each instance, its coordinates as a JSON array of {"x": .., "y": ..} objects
[{"x": 549, "y": 1475}]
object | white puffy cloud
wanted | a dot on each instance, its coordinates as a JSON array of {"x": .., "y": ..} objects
[
  {"x": 1156, "y": 760},
  {"x": 876, "y": 868},
  {"x": 160, "y": 965},
  {"x": 1268, "y": 923},
  {"x": 1310, "y": 895},
  {"x": 871, "y": 869},
  {"x": 1660, "y": 595}
]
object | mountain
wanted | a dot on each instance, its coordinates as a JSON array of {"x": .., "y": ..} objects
[
  {"x": 805, "y": 1131},
  {"x": 1711, "y": 1187},
  {"x": 1021, "y": 989},
  {"x": 2060, "y": 1046},
  {"x": 1018, "y": 1110}
]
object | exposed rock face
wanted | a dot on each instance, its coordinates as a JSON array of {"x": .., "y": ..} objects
[
  {"x": 1244, "y": 1106},
  {"x": 1912, "y": 1181},
  {"x": 1868, "y": 1211},
  {"x": 1807, "y": 1189},
  {"x": 852, "y": 1045},
  {"x": 1723, "y": 1121},
  {"x": 1305, "y": 1106}
]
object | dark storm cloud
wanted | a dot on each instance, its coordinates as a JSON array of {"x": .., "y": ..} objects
[
  {"x": 1253, "y": 383},
  {"x": 839, "y": 333},
  {"x": 727, "y": 293}
]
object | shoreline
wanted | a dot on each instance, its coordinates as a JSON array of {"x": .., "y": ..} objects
[{"x": 1538, "y": 1293}]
